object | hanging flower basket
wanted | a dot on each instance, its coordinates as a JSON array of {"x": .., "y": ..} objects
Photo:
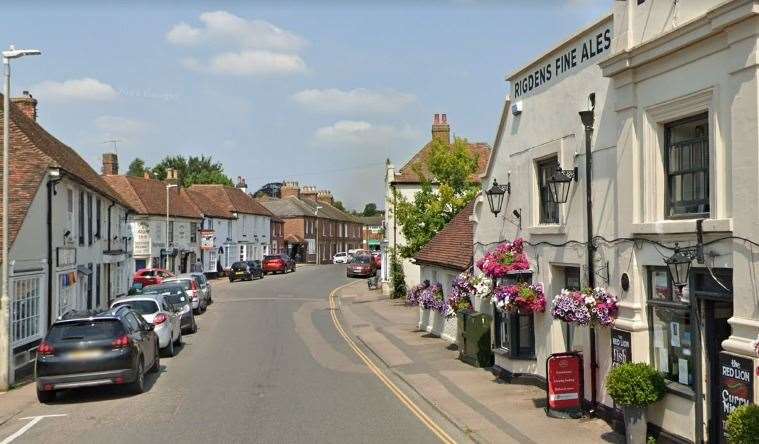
[
  {"x": 596, "y": 306},
  {"x": 462, "y": 290},
  {"x": 520, "y": 298},
  {"x": 432, "y": 298},
  {"x": 506, "y": 257},
  {"x": 413, "y": 293}
]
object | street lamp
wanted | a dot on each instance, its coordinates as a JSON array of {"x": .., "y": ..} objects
[
  {"x": 495, "y": 196},
  {"x": 679, "y": 266},
  {"x": 6, "y": 372},
  {"x": 316, "y": 215},
  {"x": 168, "y": 187},
  {"x": 559, "y": 183}
]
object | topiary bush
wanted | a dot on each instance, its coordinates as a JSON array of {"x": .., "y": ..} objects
[
  {"x": 397, "y": 277},
  {"x": 743, "y": 425},
  {"x": 635, "y": 384}
]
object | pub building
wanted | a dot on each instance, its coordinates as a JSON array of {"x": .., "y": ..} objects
[{"x": 666, "y": 96}]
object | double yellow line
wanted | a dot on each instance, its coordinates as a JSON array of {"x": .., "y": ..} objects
[{"x": 426, "y": 420}]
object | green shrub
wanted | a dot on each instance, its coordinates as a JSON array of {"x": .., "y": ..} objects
[
  {"x": 743, "y": 425},
  {"x": 397, "y": 277},
  {"x": 635, "y": 384}
]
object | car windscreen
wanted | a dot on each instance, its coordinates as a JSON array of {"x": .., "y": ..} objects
[
  {"x": 175, "y": 299},
  {"x": 90, "y": 330},
  {"x": 142, "y": 307},
  {"x": 271, "y": 258},
  {"x": 185, "y": 283},
  {"x": 362, "y": 259},
  {"x": 239, "y": 266}
]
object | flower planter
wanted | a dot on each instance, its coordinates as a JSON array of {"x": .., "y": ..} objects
[
  {"x": 520, "y": 298},
  {"x": 635, "y": 424},
  {"x": 506, "y": 258}
]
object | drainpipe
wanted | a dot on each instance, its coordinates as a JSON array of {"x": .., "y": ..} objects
[
  {"x": 109, "y": 248},
  {"x": 588, "y": 118},
  {"x": 50, "y": 192}
]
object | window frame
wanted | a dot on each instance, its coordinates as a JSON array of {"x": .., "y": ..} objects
[
  {"x": 90, "y": 231},
  {"x": 507, "y": 326},
  {"x": 98, "y": 218},
  {"x": 81, "y": 221},
  {"x": 544, "y": 168},
  {"x": 706, "y": 170}
]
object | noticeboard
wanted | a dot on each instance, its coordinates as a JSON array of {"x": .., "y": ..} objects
[{"x": 564, "y": 376}]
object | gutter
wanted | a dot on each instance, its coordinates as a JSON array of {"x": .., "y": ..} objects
[{"x": 50, "y": 192}]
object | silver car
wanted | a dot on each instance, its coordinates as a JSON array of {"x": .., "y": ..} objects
[
  {"x": 192, "y": 289},
  {"x": 205, "y": 286},
  {"x": 156, "y": 310}
]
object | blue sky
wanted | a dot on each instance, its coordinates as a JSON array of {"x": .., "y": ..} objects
[{"x": 318, "y": 92}]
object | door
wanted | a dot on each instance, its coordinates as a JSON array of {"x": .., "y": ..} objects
[{"x": 716, "y": 330}]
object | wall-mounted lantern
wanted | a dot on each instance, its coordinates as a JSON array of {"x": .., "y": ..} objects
[
  {"x": 559, "y": 184},
  {"x": 495, "y": 196}
]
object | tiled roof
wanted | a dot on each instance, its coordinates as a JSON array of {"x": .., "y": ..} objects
[
  {"x": 148, "y": 196},
  {"x": 294, "y": 239},
  {"x": 371, "y": 221},
  {"x": 33, "y": 152},
  {"x": 407, "y": 174},
  {"x": 452, "y": 246},
  {"x": 227, "y": 200},
  {"x": 291, "y": 206}
]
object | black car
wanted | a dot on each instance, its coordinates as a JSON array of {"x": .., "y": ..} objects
[
  {"x": 255, "y": 269},
  {"x": 241, "y": 271},
  {"x": 89, "y": 348},
  {"x": 174, "y": 294}
]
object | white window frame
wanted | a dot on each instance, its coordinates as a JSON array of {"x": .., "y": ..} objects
[{"x": 26, "y": 309}]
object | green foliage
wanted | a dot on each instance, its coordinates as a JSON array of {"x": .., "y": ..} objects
[
  {"x": 137, "y": 168},
  {"x": 339, "y": 205},
  {"x": 452, "y": 168},
  {"x": 370, "y": 209},
  {"x": 193, "y": 170},
  {"x": 742, "y": 425},
  {"x": 397, "y": 277},
  {"x": 635, "y": 384}
]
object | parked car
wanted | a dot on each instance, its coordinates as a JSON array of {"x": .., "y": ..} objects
[
  {"x": 377, "y": 256},
  {"x": 205, "y": 286},
  {"x": 361, "y": 266},
  {"x": 340, "y": 258},
  {"x": 255, "y": 269},
  {"x": 192, "y": 289},
  {"x": 240, "y": 270},
  {"x": 157, "y": 311},
  {"x": 151, "y": 277},
  {"x": 175, "y": 295},
  {"x": 85, "y": 349},
  {"x": 277, "y": 263}
]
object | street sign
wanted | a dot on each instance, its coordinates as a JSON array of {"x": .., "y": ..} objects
[{"x": 564, "y": 382}]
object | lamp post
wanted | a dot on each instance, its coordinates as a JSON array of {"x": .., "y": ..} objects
[
  {"x": 316, "y": 215},
  {"x": 168, "y": 187},
  {"x": 6, "y": 370}
]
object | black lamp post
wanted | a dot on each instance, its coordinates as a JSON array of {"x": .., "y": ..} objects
[
  {"x": 495, "y": 196},
  {"x": 559, "y": 184}
]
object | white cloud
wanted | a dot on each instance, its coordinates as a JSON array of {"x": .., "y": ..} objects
[
  {"x": 227, "y": 28},
  {"x": 120, "y": 127},
  {"x": 251, "y": 62},
  {"x": 362, "y": 134},
  {"x": 85, "y": 89},
  {"x": 353, "y": 101}
]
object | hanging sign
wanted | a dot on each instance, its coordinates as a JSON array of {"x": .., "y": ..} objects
[
  {"x": 621, "y": 348},
  {"x": 206, "y": 239},
  {"x": 141, "y": 239},
  {"x": 564, "y": 375},
  {"x": 736, "y": 378}
]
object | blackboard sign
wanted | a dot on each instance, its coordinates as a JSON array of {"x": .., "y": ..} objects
[
  {"x": 736, "y": 377},
  {"x": 621, "y": 347}
]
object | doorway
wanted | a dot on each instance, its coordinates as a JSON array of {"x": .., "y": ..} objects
[{"x": 716, "y": 330}]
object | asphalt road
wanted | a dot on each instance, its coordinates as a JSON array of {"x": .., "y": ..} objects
[{"x": 267, "y": 365}]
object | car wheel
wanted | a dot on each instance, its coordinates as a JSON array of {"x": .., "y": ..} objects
[
  {"x": 170, "y": 349},
  {"x": 157, "y": 362},
  {"x": 138, "y": 386},
  {"x": 179, "y": 338},
  {"x": 45, "y": 396}
]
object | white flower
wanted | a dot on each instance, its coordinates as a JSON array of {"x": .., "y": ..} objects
[{"x": 589, "y": 299}]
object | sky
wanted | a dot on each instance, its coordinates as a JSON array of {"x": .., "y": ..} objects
[{"x": 316, "y": 92}]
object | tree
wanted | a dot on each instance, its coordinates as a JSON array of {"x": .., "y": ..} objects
[
  {"x": 370, "y": 209},
  {"x": 441, "y": 197},
  {"x": 137, "y": 168},
  {"x": 193, "y": 170},
  {"x": 339, "y": 205}
]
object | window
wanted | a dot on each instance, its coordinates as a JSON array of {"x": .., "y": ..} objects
[
  {"x": 171, "y": 231},
  {"x": 97, "y": 285},
  {"x": 193, "y": 232},
  {"x": 70, "y": 209},
  {"x": 686, "y": 158},
  {"x": 229, "y": 229},
  {"x": 81, "y": 218},
  {"x": 515, "y": 333},
  {"x": 25, "y": 306},
  {"x": 98, "y": 218},
  {"x": 549, "y": 210},
  {"x": 671, "y": 332},
  {"x": 89, "y": 219}
]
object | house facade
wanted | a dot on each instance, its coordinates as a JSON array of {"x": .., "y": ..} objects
[
  {"x": 373, "y": 232},
  {"x": 277, "y": 235},
  {"x": 68, "y": 246},
  {"x": 672, "y": 88},
  {"x": 406, "y": 182}
]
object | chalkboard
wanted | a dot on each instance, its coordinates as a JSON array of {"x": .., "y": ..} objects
[
  {"x": 736, "y": 381},
  {"x": 621, "y": 347}
]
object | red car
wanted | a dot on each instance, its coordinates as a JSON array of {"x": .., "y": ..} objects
[
  {"x": 361, "y": 266},
  {"x": 377, "y": 260},
  {"x": 277, "y": 263},
  {"x": 151, "y": 277}
]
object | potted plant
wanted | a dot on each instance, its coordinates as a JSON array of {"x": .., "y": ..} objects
[
  {"x": 596, "y": 306},
  {"x": 743, "y": 424},
  {"x": 635, "y": 386},
  {"x": 461, "y": 293}
]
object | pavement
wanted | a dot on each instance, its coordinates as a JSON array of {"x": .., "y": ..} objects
[
  {"x": 484, "y": 407},
  {"x": 267, "y": 365}
]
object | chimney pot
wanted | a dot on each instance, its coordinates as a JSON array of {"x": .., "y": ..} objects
[
  {"x": 110, "y": 164},
  {"x": 440, "y": 129}
]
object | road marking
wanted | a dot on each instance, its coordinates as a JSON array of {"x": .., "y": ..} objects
[
  {"x": 405, "y": 400},
  {"x": 29, "y": 425}
]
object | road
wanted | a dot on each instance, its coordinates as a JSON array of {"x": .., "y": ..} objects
[{"x": 267, "y": 365}]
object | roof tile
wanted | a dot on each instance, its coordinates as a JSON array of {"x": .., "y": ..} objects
[{"x": 452, "y": 246}]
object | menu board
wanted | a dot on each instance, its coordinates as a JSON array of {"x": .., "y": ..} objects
[
  {"x": 564, "y": 381},
  {"x": 736, "y": 386},
  {"x": 621, "y": 347}
]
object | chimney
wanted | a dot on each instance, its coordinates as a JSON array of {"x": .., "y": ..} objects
[
  {"x": 308, "y": 193},
  {"x": 325, "y": 196},
  {"x": 27, "y": 104},
  {"x": 172, "y": 178},
  {"x": 146, "y": 175},
  {"x": 440, "y": 129},
  {"x": 290, "y": 189},
  {"x": 110, "y": 164},
  {"x": 241, "y": 185}
]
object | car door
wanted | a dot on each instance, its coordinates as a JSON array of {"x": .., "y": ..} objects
[
  {"x": 174, "y": 316},
  {"x": 150, "y": 339},
  {"x": 138, "y": 337}
]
